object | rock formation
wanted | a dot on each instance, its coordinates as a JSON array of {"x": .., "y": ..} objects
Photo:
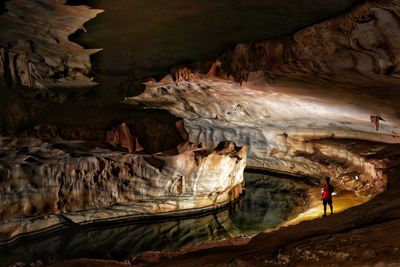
[
  {"x": 34, "y": 46},
  {"x": 281, "y": 132},
  {"x": 358, "y": 237},
  {"x": 359, "y": 47},
  {"x": 375, "y": 121},
  {"x": 120, "y": 136},
  {"x": 300, "y": 105},
  {"x": 289, "y": 93},
  {"x": 268, "y": 201},
  {"x": 40, "y": 178}
]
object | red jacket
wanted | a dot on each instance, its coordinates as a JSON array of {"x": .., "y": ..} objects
[{"x": 327, "y": 191}]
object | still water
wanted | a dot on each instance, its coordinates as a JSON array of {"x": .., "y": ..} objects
[{"x": 268, "y": 201}]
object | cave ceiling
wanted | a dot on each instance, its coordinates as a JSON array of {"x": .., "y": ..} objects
[
  {"x": 141, "y": 40},
  {"x": 272, "y": 66},
  {"x": 107, "y": 103}
]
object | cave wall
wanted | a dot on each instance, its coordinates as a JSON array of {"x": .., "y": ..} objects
[
  {"x": 178, "y": 32},
  {"x": 280, "y": 96},
  {"x": 357, "y": 48},
  {"x": 43, "y": 183},
  {"x": 37, "y": 52},
  {"x": 298, "y": 103},
  {"x": 39, "y": 177},
  {"x": 34, "y": 47}
]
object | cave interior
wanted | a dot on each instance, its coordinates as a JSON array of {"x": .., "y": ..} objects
[{"x": 199, "y": 133}]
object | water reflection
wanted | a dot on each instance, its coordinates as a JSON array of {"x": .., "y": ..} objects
[{"x": 268, "y": 201}]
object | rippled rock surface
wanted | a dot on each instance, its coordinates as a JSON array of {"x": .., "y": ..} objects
[
  {"x": 268, "y": 202},
  {"x": 34, "y": 46},
  {"x": 300, "y": 101},
  {"x": 83, "y": 182},
  {"x": 282, "y": 132}
]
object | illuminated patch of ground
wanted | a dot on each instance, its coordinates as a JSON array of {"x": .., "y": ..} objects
[{"x": 342, "y": 201}]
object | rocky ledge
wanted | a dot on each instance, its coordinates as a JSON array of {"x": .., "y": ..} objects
[
  {"x": 365, "y": 235},
  {"x": 284, "y": 98},
  {"x": 44, "y": 184},
  {"x": 34, "y": 47}
]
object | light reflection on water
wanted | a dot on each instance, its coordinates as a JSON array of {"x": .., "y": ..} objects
[{"x": 268, "y": 202}]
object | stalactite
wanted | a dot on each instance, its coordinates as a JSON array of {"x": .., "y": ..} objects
[{"x": 37, "y": 53}]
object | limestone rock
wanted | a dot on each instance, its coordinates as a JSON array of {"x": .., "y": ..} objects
[
  {"x": 120, "y": 136},
  {"x": 288, "y": 96},
  {"x": 40, "y": 178},
  {"x": 34, "y": 46},
  {"x": 375, "y": 121},
  {"x": 283, "y": 132},
  {"x": 361, "y": 235},
  {"x": 359, "y": 47}
]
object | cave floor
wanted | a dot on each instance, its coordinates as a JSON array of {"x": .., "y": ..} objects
[
  {"x": 341, "y": 202},
  {"x": 330, "y": 240},
  {"x": 365, "y": 235}
]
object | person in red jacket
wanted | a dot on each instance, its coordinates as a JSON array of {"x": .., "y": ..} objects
[{"x": 326, "y": 198}]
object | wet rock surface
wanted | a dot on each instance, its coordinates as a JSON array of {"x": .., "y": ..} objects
[
  {"x": 268, "y": 201},
  {"x": 360, "y": 236},
  {"x": 334, "y": 240},
  {"x": 40, "y": 178}
]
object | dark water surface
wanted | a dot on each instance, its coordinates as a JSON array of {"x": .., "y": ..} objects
[{"x": 268, "y": 201}]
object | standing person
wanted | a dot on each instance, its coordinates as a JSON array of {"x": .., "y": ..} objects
[{"x": 326, "y": 198}]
